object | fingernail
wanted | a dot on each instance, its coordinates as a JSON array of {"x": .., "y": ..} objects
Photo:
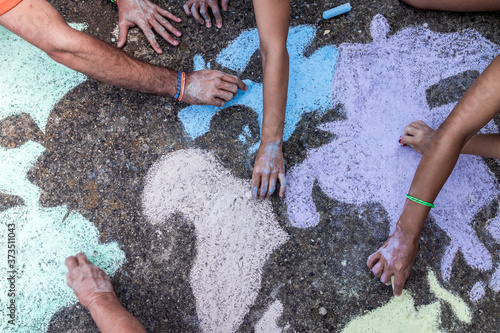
[
  {"x": 176, "y": 42},
  {"x": 399, "y": 140},
  {"x": 404, "y": 145},
  {"x": 219, "y": 25}
]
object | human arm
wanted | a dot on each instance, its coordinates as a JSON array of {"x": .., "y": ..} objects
[
  {"x": 418, "y": 135},
  {"x": 272, "y": 22},
  {"x": 147, "y": 16},
  {"x": 456, "y": 5},
  {"x": 94, "y": 291},
  {"x": 199, "y": 8},
  {"x": 37, "y": 22},
  {"x": 475, "y": 109}
]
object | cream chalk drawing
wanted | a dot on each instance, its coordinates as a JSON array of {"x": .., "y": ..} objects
[
  {"x": 308, "y": 90},
  {"x": 44, "y": 237},
  {"x": 235, "y": 235},
  {"x": 382, "y": 86},
  {"x": 400, "y": 314},
  {"x": 27, "y": 65}
]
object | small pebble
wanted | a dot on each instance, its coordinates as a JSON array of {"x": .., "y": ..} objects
[
  {"x": 326, "y": 32},
  {"x": 425, "y": 25},
  {"x": 322, "y": 311},
  {"x": 344, "y": 263},
  {"x": 113, "y": 39}
]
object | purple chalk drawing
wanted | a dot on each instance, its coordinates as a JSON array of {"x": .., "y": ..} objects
[
  {"x": 477, "y": 292},
  {"x": 308, "y": 90},
  {"x": 382, "y": 86}
]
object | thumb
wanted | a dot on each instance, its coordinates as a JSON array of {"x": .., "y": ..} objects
[{"x": 122, "y": 34}]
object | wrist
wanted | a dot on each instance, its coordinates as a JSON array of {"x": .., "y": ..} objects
[{"x": 103, "y": 301}]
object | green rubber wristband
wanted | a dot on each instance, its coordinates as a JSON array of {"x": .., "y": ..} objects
[{"x": 422, "y": 202}]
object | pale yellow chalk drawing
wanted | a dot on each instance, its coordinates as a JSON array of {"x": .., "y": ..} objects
[{"x": 401, "y": 315}]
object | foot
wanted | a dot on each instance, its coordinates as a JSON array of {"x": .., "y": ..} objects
[
  {"x": 418, "y": 136},
  {"x": 396, "y": 258}
]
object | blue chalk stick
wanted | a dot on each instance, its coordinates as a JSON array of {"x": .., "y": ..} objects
[{"x": 339, "y": 10}]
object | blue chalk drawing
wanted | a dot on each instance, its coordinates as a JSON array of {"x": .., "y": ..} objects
[
  {"x": 44, "y": 237},
  {"x": 309, "y": 88},
  {"x": 18, "y": 93}
]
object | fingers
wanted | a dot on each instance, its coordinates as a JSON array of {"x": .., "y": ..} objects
[
  {"x": 123, "y": 32},
  {"x": 204, "y": 13},
  {"x": 399, "y": 283},
  {"x": 263, "y": 186},
  {"x": 81, "y": 258},
  {"x": 234, "y": 80},
  {"x": 168, "y": 14},
  {"x": 187, "y": 7},
  {"x": 282, "y": 179},
  {"x": 150, "y": 36},
  {"x": 378, "y": 269},
  {"x": 372, "y": 259},
  {"x": 224, "y": 4},
  {"x": 71, "y": 263},
  {"x": 196, "y": 15},
  {"x": 216, "y": 11},
  {"x": 255, "y": 185},
  {"x": 164, "y": 22},
  {"x": 162, "y": 32},
  {"x": 272, "y": 184}
]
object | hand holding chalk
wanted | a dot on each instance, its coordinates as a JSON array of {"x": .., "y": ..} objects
[{"x": 339, "y": 10}]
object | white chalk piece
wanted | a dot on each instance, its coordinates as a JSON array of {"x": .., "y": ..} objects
[{"x": 339, "y": 10}]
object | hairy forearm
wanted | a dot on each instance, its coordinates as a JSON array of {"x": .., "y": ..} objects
[
  {"x": 111, "y": 317},
  {"x": 108, "y": 64},
  {"x": 476, "y": 108},
  {"x": 37, "y": 22}
]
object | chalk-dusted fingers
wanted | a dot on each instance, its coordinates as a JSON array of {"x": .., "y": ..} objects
[
  {"x": 264, "y": 183},
  {"x": 395, "y": 257},
  {"x": 255, "y": 185},
  {"x": 88, "y": 281},
  {"x": 268, "y": 168},
  {"x": 200, "y": 10},
  {"x": 272, "y": 184},
  {"x": 281, "y": 177},
  {"x": 214, "y": 6},
  {"x": 224, "y": 5},
  {"x": 234, "y": 80},
  {"x": 399, "y": 283},
  {"x": 418, "y": 136},
  {"x": 210, "y": 87},
  {"x": 146, "y": 16}
]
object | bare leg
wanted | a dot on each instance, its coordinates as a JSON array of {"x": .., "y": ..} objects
[
  {"x": 456, "y": 5},
  {"x": 418, "y": 136},
  {"x": 95, "y": 292}
]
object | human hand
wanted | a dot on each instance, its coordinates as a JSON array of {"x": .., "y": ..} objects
[
  {"x": 268, "y": 168},
  {"x": 418, "y": 136},
  {"x": 88, "y": 281},
  {"x": 210, "y": 87},
  {"x": 395, "y": 257},
  {"x": 191, "y": 7},
  {"x": 147, "y": 16}
]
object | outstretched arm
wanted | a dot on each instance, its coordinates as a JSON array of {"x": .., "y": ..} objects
[
  {"x": 475, "y": 109},
  {"x": 95, "y": 292},
  {"x": 272, "y": 22},
  {"x": 37, "y": 22}
]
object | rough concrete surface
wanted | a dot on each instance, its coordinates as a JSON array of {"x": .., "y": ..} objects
[{"x": 100, "y": 143}]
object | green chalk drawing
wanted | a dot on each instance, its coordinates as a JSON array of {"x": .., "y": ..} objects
[
  {"x": 30, "y": 81},
  {"x": 14, "y": 165},
  {"x": 400, "y": 314}
]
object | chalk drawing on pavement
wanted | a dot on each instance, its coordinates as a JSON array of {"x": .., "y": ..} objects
[
  {"x": 44, "y": 237},
  {"x": 400, "y": 314},
  {"x": 31, "y": 82},
  {"x": 382, "y": 86},
  {"x": 308, "y": 89},
  {"x": 235, "y": 235}
]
